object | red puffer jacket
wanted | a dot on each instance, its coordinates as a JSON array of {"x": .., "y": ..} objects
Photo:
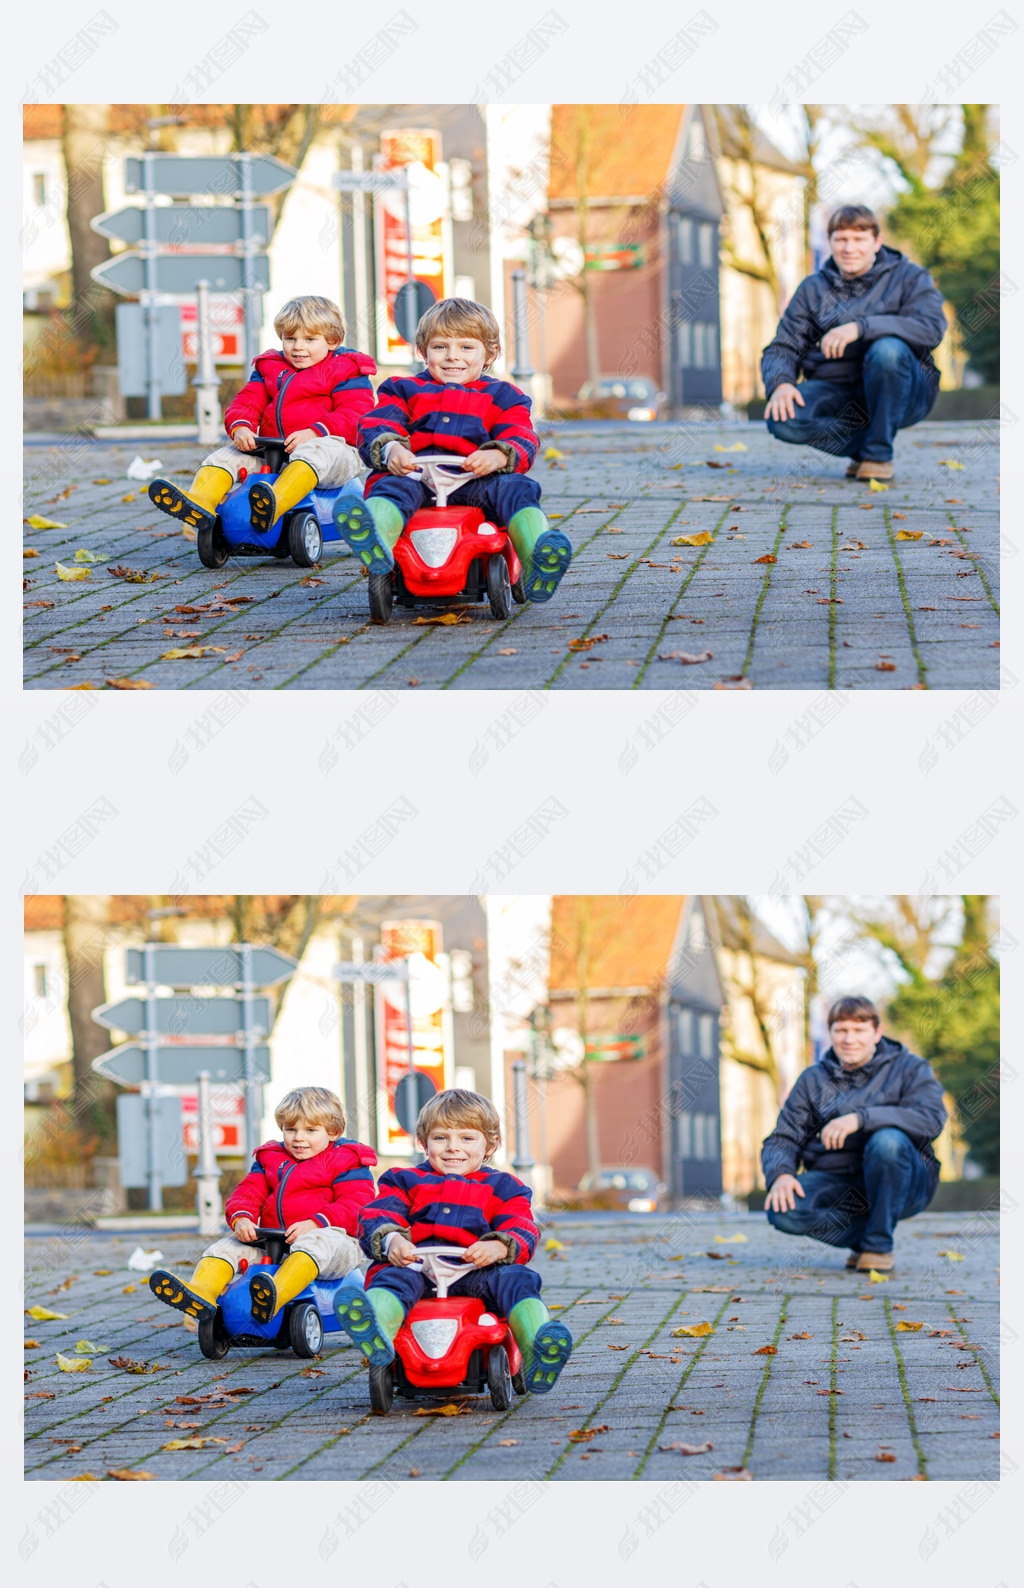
[
  {"x": 330, "y": 1188},
  {"x": 330, "y": 397}
]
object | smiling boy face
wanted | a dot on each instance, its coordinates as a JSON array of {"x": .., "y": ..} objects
[
  {"x": 303, "y": 1140},
  {"x": 456, "y": 359},
  {"x": 452, "y": 1149},
  {"x": 302, "y": 349}
]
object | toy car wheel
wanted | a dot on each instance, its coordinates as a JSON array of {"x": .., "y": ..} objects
[
  {"x": 382, "y": 596},
  {"x": 382, "y": 1388},
  {"x": 211, "y": 546},
  {"x": 519, "y": 590},
  {"x": 499, "y": 1379},
  {"x": 305, "y": 1329},
  {"x": 214, "y": 1340},
  {"x": 499, "y": 588},
  {"x": 519, "y": 1382},
  {"x": 305, "y": 542}
]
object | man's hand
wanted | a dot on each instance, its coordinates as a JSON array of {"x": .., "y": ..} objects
[
  {"x": 835, "y": 342},
  {"x": 244, "y": 1230},
  {"x": 401, "y": 460},
  {"x": 243, "y": 439},
  {"x": 483, "y": 1253},
  {"x": 780, "y": 403},
  {"x": 401, "y": 1252},
  {"x": 782, "y": 1192},
  {"x": 297, "y": 437},
  {"x": 836, "y": 1131},
  {"x": 300, "y": 1228},
  {"x": 484, "y": 461}
]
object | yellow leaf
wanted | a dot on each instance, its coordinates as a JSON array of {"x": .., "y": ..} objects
[
  {"x": 737, "y": 446},
  {"x": 875, "y": 1278},
  {"x": 35, "y": 522},
  {"x": 88, "y": 1348},
  {"x": 551, "y": 1245},
  {"x": 701, "y": 539},
  {"x": 908, "y": 1328},
  {"x": 30, "y": 551},
  {"x": 552, "y": 454},
  {"x": 73, "y": 573},
  {"x": 198, "y": 1442},
  {"x": 450, "y": 1410},
  {"x": 129, "y": 498},
  {"x": 84, "y": 555},
  {"x": 44, "y": 1315},
  {"x": 125, "y": 1474},
  {"x": 729, "y": 1240},
  {"x": 909, "y": 534},
  {"x": 102, "y": 482},
  {"x": 949, "y": 463},
  {"x": 32, "y": 1345},
  {"x": 954, "y": 1257},
  {"x": 102, "y": 1272},
  {"x": 128, "y": 1289},
  {"x": 129, "y": 683},
  {"x": 876, "y": 485},
  {"x": 182, "y": 651},
  {"x": 446, "y": 619},
  {"x": 73, "y": 1364},
  {"x": 693, "y": 1329},
  {"x": 81, "y": 686}
]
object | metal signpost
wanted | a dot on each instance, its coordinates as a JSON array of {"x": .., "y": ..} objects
[
  {"x": 167, "y": 1027},
  {"x": 207, "y": 1175},
  {"x": 522, "y": 370},
  {"x": 524, "y": 1161},
  {"x": 181, "y": 245}
]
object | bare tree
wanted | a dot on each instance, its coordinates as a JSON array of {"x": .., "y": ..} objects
[
  {"x": 86, "y": 932},
  {"x": 84, "y": 142}
]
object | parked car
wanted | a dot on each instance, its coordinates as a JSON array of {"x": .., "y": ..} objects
[
  {"x": 617, "y": 397},
  {"x": 635, "y": 1190}
]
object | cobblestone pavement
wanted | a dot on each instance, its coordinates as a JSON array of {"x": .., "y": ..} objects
[
  {"x": 886, "y": 1380},
  {"x": 800, "y": 579}
]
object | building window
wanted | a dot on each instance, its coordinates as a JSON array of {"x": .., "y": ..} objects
[
  {"x": 686, "y": 1030},
  {"x": 706, "y": 245},
  {"x": 699, "y": 1138},
  {"x": 684, "y": 352},
  {"x": 40, "y": 980},
  {"x": 686, "y": 241},
  {"x": 707, "y": 1031},
  {"x": 695, "y": 140},
  {"x": 683, "y": 1140},
  {"x": 699, "y": 356},
  {"x": 712, "y": 345},
  {"x": 39, "y": 188}
]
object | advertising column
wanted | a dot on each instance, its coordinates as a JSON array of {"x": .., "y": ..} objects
[
  {"x": 418, "y": 942},
  {"x": 420, "y": 152}
]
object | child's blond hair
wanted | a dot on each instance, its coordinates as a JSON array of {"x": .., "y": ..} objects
[
  {"x": 315, "y": 316},
  {"x": 313, "y": 1105},
  {"x": 460, "y": 1110},
  {"x": 460, "y": 317}
]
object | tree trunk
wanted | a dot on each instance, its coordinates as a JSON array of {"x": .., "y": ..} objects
[
  {"x": 84, "y": 144},
  {"x": 86, "y": 921}
]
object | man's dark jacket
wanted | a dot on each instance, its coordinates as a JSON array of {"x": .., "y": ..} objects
[
  {"x": 894, "y": 1087},
  {"x": 893, "y": 298}
]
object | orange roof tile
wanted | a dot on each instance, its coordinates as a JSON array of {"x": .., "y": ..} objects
[
  {"x": 629, "y": 148},
  {"x": 630, "y": 940}
]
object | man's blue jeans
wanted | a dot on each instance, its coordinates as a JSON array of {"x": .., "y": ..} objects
[
  {"x": 859, "y": 419},
  {"x": 862, "y": 1210}
]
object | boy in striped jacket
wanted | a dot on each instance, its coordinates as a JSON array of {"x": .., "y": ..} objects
[
  {"x": 453, "y": 1199},
  {"x": 452, "y": 405}
]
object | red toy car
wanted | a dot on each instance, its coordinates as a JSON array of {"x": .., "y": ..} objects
[
  {"x": 448, "y": 553},
  {"x": 449, "y": 1345}
]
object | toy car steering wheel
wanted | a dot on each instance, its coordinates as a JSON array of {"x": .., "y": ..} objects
[
  {"x": 435, "y": 1263},
  {"x": 432, "y": 470}
]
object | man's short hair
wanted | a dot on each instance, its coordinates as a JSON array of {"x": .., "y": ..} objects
[
  {"x": 457, "y": 1109},
  {"x": 313, "y": 1105},
  {"x": 315, "y": 316},
  {"x": 853, "y": 218},
  {"x": 853, "y": 1009},
  {"x": 460, "y": 317}
]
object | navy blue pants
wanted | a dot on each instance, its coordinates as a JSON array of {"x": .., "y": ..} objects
[
  {"x": 859, "y": 419},
  {"x": 499, "y": 1287},
  {"x": 862, "y": 1210},
  {"x": 500, "y": 495}
]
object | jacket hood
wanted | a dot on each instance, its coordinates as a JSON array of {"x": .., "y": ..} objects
[
  {"x": 886, "y": 259},
  {"x": 884, "y": 1054},
  {"x": 352, "y": 362}
]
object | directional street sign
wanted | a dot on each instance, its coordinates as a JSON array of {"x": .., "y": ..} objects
[
  {"x": 126, "y": 273},
  {"x": 390, "y": 970},
  {"x": 132, "y": 1125},
  {"x": 369, "y": 181},
  {"x": 199, "y": 1017},
  {"x": 220, "y": 174},
  {"x": 175, "y": 966},
  {"x": 132, "y": 373},
  {"x": 180, "y": 1065},
  {"x": 186, "y": 225}
]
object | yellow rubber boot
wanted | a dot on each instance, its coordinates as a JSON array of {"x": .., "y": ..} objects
[
  {"x": 199, "y": 1296},
  {"x": 270, "y": 1292},
  {"x": 198, "y": 505},
  {"x": 268, "y": 502}
]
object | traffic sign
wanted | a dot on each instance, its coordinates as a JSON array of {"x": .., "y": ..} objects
[
  {"x": 132, "y": 372},
  {"x": 411, "y": 302},
  {"x": 126, "y": 273},
  {"x": 180, "y": 1065},
  {"x": 206, "y": 1017},
  {"x": 133, "y": 1140},
  {"x": 220, "y": 174},
  {"x": 375, "y": 972},
  {"x": 175, "y": 966},
  {"x": 412, "y": 1093},
  {"x": 186, "y": 225},
  {"x": 369, "y": 181}
]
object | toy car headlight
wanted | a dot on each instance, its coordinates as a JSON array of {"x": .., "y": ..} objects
[
  {"x": 435, "y": 1335},
  {"x": 487, "y": 1320}
]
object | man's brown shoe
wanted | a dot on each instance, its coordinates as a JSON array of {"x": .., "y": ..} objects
[
  {"x": 851, "y": 468},
  {"x": 866, "y": 470},
  {"x": 881, "y": 1262}
]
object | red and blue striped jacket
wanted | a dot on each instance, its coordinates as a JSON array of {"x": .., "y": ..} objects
[
  {"x": 450, "y": 1210},
  {"x": 442, "y": 416},
  {"x": 329, "y": 1188},
  {"x": 328, "y": 397}
]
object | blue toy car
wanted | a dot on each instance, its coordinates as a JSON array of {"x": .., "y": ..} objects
[
  {"x": 300, "y": 1325},
  {"x": 299, "y": 534}
]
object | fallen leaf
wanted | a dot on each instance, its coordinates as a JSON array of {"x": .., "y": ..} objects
[
  {"x": 448, "y": 1410},
  {"x": 876, "y": 485},
  {"x": 587, "y": 644},
  {"x": 68, "y": 574},
  {"x": 692, "y": 1329},
  {"x": 128, "y": 1289},
  {"x": 44, "y": 1315},
  {"x": 309, "y": 580},
  {"x": 737, "y": 1473},
  {"x": 126, "y": 1475},
  {"x": 72, "y": 1364},
  {"x": 30, "y": 551},
  {"x": 616, "y": 556},
  {"x": 507, "y": 1441},
  {"x": 885, "y": 1455},
  {"x": 121, "y": 570},
  {"x": 552, "y": 455},
  {"x": 126, "y": 1363},
  {"x": 36, "y": 522},
  {"x": 827, "y": 601},
  {"x": 801, "y": 545},
  {"x": 312, "y": 1372},
  {"x": 830, "y": 1392},
  {"x": 618, "y": 1348},
  {"x": 885, "y": 667},
  {"x": 87, "y": 1348},
  {"x": 196, "y": 1442},
  {"x": 731, "y": 1240},
  {"x": 734, "y": 681},
  {"x": 37, "y": 604},
  {"x": 875, "y": 1278},
  {"x": 84, "y": 555},
  {"x": 580, "y": 1436},
  {"x": 766, "y": 558},
  {"x": 854, "y": 545},
  {"x": 129, "y": 683},
  {"x": 867, "y": 507},
  {"x": 41, "y": 1395},
  {"x": 949, "y": 463},
  {"x": 909, "y": 534},
  {"x": 954, "y": 1257},
  {"x": 551, "y": 1245},
  {"x": 728, "y": 498},
  {"x": 686, "y": 657},
  {"x": 737, "y": 446},
  {"x": 767, "y": 1350},
  {"x": 703, "y": 538},
  {"x": 446, "y": 619},
  {"x": 192, "y": 651},
  {"x": 804, "y": 1336}
]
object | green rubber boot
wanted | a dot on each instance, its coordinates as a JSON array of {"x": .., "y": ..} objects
[
  {"x": 544, "y": 1344},
  {"x": 371, "y": 1319},
  {"x": 545, "y": 553},
  {"x": 371, "y": 528}
]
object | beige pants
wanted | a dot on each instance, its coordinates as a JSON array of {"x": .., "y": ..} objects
[
  {"x": 333, "y": 1252},
  {"x": 333, "y": 461}
]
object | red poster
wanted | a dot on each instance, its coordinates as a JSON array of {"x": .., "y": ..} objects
[
  {"x": 420, "y": 153},
  {"x": 419, "y": 943}
]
